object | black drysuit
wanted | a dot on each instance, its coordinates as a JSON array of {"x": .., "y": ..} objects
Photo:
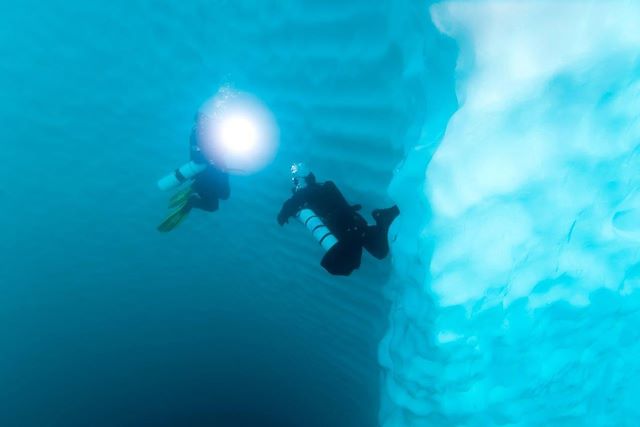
[
  {"x": 343, "y": 220},
  {"x": 210, "y": 185}
]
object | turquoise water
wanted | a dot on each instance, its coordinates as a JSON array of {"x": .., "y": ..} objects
[
  {"x": 229, "y": 319},
  {"x": 507, "y": 133}
]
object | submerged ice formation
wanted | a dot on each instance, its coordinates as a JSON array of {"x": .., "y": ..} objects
[{"x": 519, "y": 303}]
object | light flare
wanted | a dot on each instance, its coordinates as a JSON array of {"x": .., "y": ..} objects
[{"x": 237, "y": 132}]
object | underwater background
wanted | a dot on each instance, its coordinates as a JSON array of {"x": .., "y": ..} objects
[
  {"x": 229, "y": 320},
  {"x": 507, "y": 132}
]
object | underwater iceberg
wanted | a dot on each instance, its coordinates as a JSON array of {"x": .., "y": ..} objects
[
  {"x": 513, "y": 288},
  {"x": 516, "y": 273}
]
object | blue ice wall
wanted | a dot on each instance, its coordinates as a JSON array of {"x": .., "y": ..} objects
[
  {"x": 507, "y": 134},
  {"x": 229, "y": 319},
  {"x": 515, "y": 296}
]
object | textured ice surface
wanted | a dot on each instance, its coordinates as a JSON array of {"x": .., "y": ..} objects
[
  {"x": 519, "y": 304},
  {"x": 515, "y": 265}
]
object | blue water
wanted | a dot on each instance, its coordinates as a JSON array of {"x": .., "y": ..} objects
[
  {"x": 229, "y": 320},
  {"x": 507, "y": 133}
]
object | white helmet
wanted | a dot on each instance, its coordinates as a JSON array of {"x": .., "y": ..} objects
[{"x": 299, "y": 173}]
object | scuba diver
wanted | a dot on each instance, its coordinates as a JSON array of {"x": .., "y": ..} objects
[
  {"x": 209, "y": 184},
  {"x": 328, "y": 215}
]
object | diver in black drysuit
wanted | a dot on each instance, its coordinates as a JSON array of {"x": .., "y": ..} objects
[
  {"x": 210, "y": 185},
  {"x": 204, "y": 192},
  {"x": 343, "y": 220}
]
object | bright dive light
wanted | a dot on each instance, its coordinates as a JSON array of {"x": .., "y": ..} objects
[{"x": 237, "y": 132}]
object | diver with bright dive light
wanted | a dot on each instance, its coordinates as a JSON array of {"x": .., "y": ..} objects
[
  {"x": 336, "y": 224},
  {"x": 208, "y": 184}
]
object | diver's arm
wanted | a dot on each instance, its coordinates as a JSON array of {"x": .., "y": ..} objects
[{"x": 291, "y": 207}]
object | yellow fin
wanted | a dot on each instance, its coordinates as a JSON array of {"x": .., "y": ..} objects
[{"x": 174, "y": 219}]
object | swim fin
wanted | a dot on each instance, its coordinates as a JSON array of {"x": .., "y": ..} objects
[
  {"x": 175, "y": 218},
  {"x": 180, "y": 197}
]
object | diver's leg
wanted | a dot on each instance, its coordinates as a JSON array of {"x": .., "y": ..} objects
[
  {"x": 205, "y": 195},
  {"x": 208, "y": 204},
  {"x": 376, "y": 241},
  {"x": 342, "y": 259},
  {"x": 178, "y": 216},
  {"x": 384, "y": 217}
]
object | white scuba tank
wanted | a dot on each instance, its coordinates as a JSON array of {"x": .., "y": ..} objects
[
  {"x": 320, "y": 231},
  {"x": 180, "y": 175}
]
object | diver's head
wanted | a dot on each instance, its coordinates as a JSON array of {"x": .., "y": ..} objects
[{"x": 301, "y": 176}]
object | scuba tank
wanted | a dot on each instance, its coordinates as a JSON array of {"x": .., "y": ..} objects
[
  {"x": 320, "y": 231},
  {"x": 180, "y": 175}
]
